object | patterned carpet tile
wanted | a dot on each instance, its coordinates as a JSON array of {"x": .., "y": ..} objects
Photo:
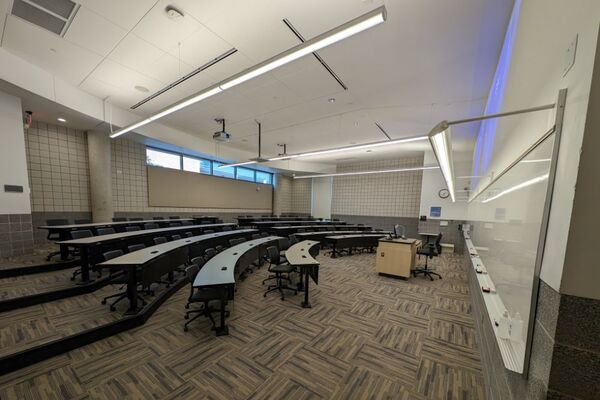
[{"x": 366, "y": 337}]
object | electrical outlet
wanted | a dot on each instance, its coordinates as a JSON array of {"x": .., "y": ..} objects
[{"x": 570, "y": 56}]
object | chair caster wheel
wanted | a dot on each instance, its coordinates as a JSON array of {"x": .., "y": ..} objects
[
  {"x": 185, "y": 328},
  {"x": 265, "y": 295},
  {"x": 72, "y": 278},
  {"x": 187, "y": 306},
  {"x": 103, "y": 302},
  {"x": 112, "y": 309},
  {"x": 186, "y": 317}
]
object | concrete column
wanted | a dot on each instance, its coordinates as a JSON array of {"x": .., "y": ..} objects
[
  {"x": 322, "y": 191},
  {"x": 276, "y": 194},
  {"x": 99, "y": 155}
]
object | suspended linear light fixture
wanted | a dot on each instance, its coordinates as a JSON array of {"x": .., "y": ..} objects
[{"x": 350, "y": 28}]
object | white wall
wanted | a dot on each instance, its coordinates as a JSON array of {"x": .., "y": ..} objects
[
  {"x": 13, "y": 163},
  {"x": 433, "y": 182},
  {"x": 544, "y": 32},
  {"x": 322, "y": 189}
]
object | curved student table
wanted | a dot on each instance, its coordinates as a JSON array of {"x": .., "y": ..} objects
[
  {"x": 321, "y": 235},
  {"x": 91, "y": 247},
  {"x": 302, "y": 255},
  {"x": 158, "y": 260},
  {"x": 64, "y": 231},
  {"x": 269, "y": 224},
  {"x": 222, "y": 270},
  {"x": 288, "y": 230},
  {"x": 350, "y": 241}
]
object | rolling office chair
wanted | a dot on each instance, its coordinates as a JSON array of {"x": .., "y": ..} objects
[
  {"x": 206, "y": 232},
  {"x": 175, "y": 224},
  {"x": 135, "y": 247},
  {"x": 150, "y": 225},
  {"x": 293, "y": 239},
  {"x": 175, "y": 237},
  {"x": 301, "y": 230},
  {"x": 209, "y": 253},
  {"x": 226, "y": 229},
  {"x": 159, "y": 240},
  {"x": 278, "y": 268},
  {"x": 157, "y": 218},
  {"x": 219, "y": 248},
  {"x": 236, "y": 241},
  {"x": 80, "y": 234},
  {"x": 264, "y": 234},
  {"x": 105, "y": 231},
  {"x": 118, "y": 278},
  {"x": 54, "y": 236},
  {"x": 82, "y": 221},
  {"x": 255, "y": 236},
  {"x": 136, "y": 219},
  {"x": 429, "y": 250},
  {"x": 133, "y": 228},
  {"x": 205, "y": 296},
  {"x": 188, "y": 234},
  {"x": 119, "y": 219},
  {"x": 174, "y": 217}
]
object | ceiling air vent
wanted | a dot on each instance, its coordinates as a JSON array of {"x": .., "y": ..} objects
[{"x": 52, "y": 15}]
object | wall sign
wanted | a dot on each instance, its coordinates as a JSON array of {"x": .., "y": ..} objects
[{"x": 435, "y": 212}]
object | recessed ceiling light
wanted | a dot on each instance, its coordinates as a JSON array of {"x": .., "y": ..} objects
[
  {"x": 61, "y": 119},
  {"x": 356, "y": 123},
  {"x": 368, "y": 151},
  {"x": 331, "y": 100},
  {"x": 52, "y": 49},
  {"x": 142, "y": 89},
  {"x": 173, "y": 13}
]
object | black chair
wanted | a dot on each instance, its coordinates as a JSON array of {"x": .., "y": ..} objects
[
  {"x": 219, "y": 248},
  {"x": 206, "y": 232},
  {"x": 278, "y": 268},
  {"x": 209, "y": 253},
  {"x": 132, "y": 228},
  {"x": 205, "y": 296},
  {"x": 135, "y": 247},
  {"x": 236, "y": 241},
  {"x": 174, "y": 217},
  {"x": 226, "y": 228},
  {"x": 80, "y": 234},
  {"x": 429, "y": 250},
  {"x": 175, "y": 224},
  {"x": 293, "y": 239},
  {"x": 83, "y": 221},
  {"x": 136, "y": 219},
  {"x": 301, "y": 230},
  {"x": 264, "y": 234},
  {"x": 160, "y": 240},
  {"x": 119, "y": 219},
  {"x": 255, "y": 236},
  {"x": 105, "y": 231},
  {"x": 151, "y": 225},
  {"x": 157, "y": 218},
  {"x": 118, "y": 278},
  {"x": 175, "y": 237},
  {"x": 189, "y": 234},
  {"x": 55, "y": 236}
]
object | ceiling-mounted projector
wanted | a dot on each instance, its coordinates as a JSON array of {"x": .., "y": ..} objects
[{"x": 221, "y": 136}]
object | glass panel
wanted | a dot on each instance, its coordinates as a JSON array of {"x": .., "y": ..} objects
[
  {"x": 264, "y": 177},
  {"x": 163, "y": 159},
  {"x": 191, "y": 164},
  {"x": 227, "y": 172},
  {"x": 245, "y": 174},
  {"x": 506, "y": 223},
  {"x": 205, "y": 167}
]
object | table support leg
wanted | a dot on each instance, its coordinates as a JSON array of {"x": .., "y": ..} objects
[
  {"x": 300, "y": 285},
  {"x": 306, "y": 303},
  {"x": 85, "y": 264},
  {"x": 333, "y": 255},
  {"x": 132, "y": 292},
  {"x": 222, "y": 329},
  {"x": 64, "y": 249}
]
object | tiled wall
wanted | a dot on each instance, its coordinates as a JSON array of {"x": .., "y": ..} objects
[
  {"x": 16, "y": 235},
  {"x": 282, "y": 201},
  {"x": 57, "y": 163},
  {"x": 301, "y": 196},
  {"x": 392, "y": 194},
  {"x": 130, "y": 185}
]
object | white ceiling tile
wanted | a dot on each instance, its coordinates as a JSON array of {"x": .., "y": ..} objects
[
  {"x": 312, "y": 82},
  {"x": 94, "y": 32},
  {"x": 163, "y": 32},
  {"x": 166, "y": 69},
  {"x": 136, "y": 53},
  {"x": 271, "y": 97},
  {"x": 200, "y": 47},
  {"x": 123, "y": 13},
  {"x": 65, "y": 59}
]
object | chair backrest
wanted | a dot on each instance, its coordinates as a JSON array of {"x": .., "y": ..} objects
[
  {"x": 205, "y": 222},
  {"x": 82, "y": 233},
  {"x": 136, "y": 219},
  {"x": 301, "y": 230},
  {"x": 191, "y": 272},
  {"x": 199, "y": 261},
  {"x": 175, "y": 224},
  {"x": 160, "y": 240},
  {"x": 157, "y": 218},
  {"x": 264, "y": 234},
  {"x": 236, "y": 241},
  {"x": 175, "y": 237},
  {"x": 206, "y": 232},
  {"x": 57, "y": 221},
  {"x": 273, "y": 255},
  {"x": 83, "y": 221},
  {"x": 226, "y": 228},
  {"x": 136, "y": 247},
  {"x": 105, "y": 231},
  {"x": 109, "y": 255},
  {"x": 220, "y": 248},
  {"x": 284, "y": 243},
  {"x": 119, "y": 219},
  {"x": 174, "y": 217},
  {"x": 189, "y": 234},
  {"x": 186, "y": 223},
  {"x": 132, "y": 228},
  {"x": 438, "y": 244},
  {"x": 293, "y": 239},
  {"x": 255, "y": 236},
  {"x": 151, "y": 225},
  {"x": 209, "y": 253}
]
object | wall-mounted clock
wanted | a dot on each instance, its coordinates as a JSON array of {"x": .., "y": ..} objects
[{"x": 444, "y": 193}]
